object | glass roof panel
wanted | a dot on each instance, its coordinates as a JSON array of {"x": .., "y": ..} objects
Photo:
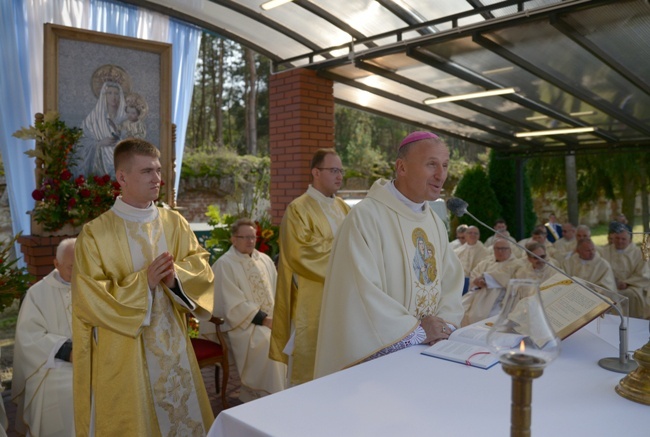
[
  {"x": 250, "y": 30},
  {"x": 622, "y": 31},
  {"x": 367, "y": 16},
  {"x": 377, "y": 103},
  {"x": 509, "y": 10},
  {"x": 418, "y": 97},
  {"x": 303, "y": 22},
  {"x": 546, "y": 48},
  {"x": 498, "y": 70}
]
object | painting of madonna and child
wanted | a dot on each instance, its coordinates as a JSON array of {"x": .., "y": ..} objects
[{"x": 112, "y": 91}]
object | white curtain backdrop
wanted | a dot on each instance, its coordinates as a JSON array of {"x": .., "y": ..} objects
[{"x": 21, "y": 74}]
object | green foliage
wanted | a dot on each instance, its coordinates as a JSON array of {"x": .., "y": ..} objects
[
  {"x": 222, "y": 163},
  {"x": 219, "y": 241},
  {"x": 503, "y": 180},
  {"x": 14, "y": 280},
  {"x": 475, "y": 189}
]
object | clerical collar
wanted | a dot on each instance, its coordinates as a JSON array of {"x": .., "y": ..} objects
[
  {"x": 133, "y": 214},
  {"x": 413, "y": 206},
  {"x": 318, "y": 196},
  {"x": 58, "y": 277}
]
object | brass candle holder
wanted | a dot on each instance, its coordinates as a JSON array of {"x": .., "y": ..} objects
[
  {"x": 636, "y": 385},
  {"x": 523, "y": 369},
  {"x": 525, "y": 343}
]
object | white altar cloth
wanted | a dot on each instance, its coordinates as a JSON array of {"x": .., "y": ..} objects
[{"x": 406, "y": 393}]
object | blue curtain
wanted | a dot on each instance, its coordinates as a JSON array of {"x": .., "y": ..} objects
[
  {"x": 105, "y": 16},
  {"x": 16, "y": 112},
  {"x": 185, "y": 41}
]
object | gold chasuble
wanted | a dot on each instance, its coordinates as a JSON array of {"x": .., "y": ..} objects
[
  {"x": 389, "y": 267},
  {"x": 305, "y": 242},
  {"x": 135, "y": 372}
]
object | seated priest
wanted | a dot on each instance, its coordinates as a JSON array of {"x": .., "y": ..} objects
[
  {"x": 244, "y": 291},
  {"x": 42, "y": 378},
  {"x": 473, "y": 251},
  {"x": 488, "y": 283},
  {"x": 534, "y": 268},
  {"x": 501, "y": 226},
  {"x": 631, "y": 271},
  {"x": 460, "y": 237},
  {"x": 587, "y": 264},
  {"x": 565, "y": 246}
]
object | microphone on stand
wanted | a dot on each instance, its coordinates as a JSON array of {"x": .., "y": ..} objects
[{"x": 622, "y": 364}]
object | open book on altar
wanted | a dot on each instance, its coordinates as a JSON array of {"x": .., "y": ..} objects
[{"x": 568, "y": 307}]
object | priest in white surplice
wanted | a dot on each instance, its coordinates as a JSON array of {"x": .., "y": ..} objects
[
  {"x": 488, "y": 283},
  {"x": 631, "y": 271},
  {"x": 587, "y": 264},
  {"x": 42, "y": 378},
  {"x": 565, "y": 246},
  {"x": 473, "y": 251},
  {"x": 500, "y": 226},
  {"x": 139, "y": 270},
  {"x": 392, "y": 280},
  {"x": 533, "y": 268},
  {"x": 244, "y": 290}
]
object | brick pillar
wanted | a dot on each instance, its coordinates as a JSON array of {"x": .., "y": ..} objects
[
  {"x": 39, "y": 253},
  {"x": 301, "y": 120}
]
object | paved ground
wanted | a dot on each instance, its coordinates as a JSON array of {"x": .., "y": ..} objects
[{"x": 208, "y": 379}]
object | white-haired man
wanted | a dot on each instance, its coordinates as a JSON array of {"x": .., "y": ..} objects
[
  {"x": 488, "y": 282},
  {"x": 42, "y": 379}
]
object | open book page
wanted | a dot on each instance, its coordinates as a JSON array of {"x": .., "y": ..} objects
[
  {"x": 476, "y": 356},
  {"x": 568, "y": 305},
  {"x": 468, "y": 345}
]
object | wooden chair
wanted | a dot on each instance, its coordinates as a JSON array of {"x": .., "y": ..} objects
[{"x": 210, "y": 353}]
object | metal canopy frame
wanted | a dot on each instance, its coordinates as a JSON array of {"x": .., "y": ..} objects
[{"x": 420, "y": 49}]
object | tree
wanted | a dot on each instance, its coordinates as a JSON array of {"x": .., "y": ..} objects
[
  {"x": 475, "y": 189},
  {"x": 251, "y": 101},
  {"x": 502, "y": 175}
]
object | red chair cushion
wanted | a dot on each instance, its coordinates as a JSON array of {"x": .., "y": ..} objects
[{"x": 206, "y": 349}]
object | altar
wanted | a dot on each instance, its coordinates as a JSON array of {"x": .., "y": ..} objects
[{"x": 406, "y": 393}]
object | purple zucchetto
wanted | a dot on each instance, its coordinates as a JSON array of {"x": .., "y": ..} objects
[{"x": 417, "y": 136}]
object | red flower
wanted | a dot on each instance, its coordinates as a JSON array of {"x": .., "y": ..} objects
[
  {"x": 116, "y": 185},
  {"x": 55, "y": 197},
  {"x": 66, "y": 175},
  {"x": 85, "y": 192},
  {"x": 162, "y": 183},
  {"x": 97, "y": 200},
  {"x": 80, "y": 180},
  {"x": 263, "y": 247},
  {"x": 71, "y": 203},
  {"x": 38, "y": 195},
  {"x": 102, "y": 180}
]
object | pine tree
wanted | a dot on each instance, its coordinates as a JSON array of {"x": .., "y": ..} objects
[
  {"x": 474, "y": 188},
  {"x": 502, "y": 176}
]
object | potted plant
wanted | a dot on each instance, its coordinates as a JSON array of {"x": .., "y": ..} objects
[{"x": 63, "y": 202}]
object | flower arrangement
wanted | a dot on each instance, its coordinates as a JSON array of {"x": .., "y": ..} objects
[
  {"x": 14, "y": 280},
  {"x": 219, "y": 241},
  {"x": 62, "y": 198}
]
